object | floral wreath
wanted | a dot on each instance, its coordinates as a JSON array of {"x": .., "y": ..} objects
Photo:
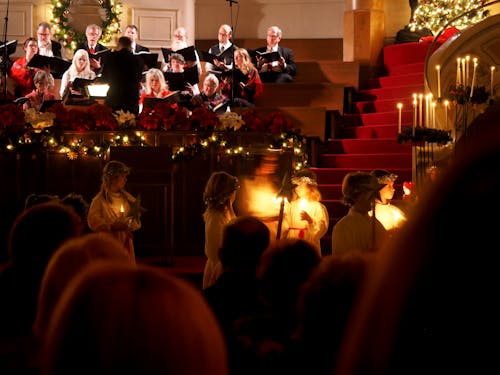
[{"x": 70, "y": 37}]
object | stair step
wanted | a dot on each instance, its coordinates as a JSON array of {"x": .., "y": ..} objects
[
  {"x": 383, "y": 105},
  {"x": 397, "y": 80},
  {"x": 336, "y": 175},
  {"x": 335, "y": 207},
  {"x": 404, "y": 53},
  {"x": 418, "y": 67},
  {"x": 371, "y": 146},
  {"x": 378, "y": 118},
  {"x": 366, "y": 161},
  {"x": 371, "y": 131},
  {"x": 389, "y": 93}
]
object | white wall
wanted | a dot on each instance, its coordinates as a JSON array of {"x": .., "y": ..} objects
[
  {"x": 251, "y": 18},
  {"x": 297, "y": 18}
]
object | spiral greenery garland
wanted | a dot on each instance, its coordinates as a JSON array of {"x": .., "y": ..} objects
[{"x": 70, "y": 37}]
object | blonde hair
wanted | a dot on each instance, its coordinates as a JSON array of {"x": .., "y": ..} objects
[
  {"x": 218, "y": 190},
  {"x": 86, "y": 72},
  {"x": 247, "y": 61},
  {"x": 155, "y": 73},
  {"x": 112, "y": 170}
]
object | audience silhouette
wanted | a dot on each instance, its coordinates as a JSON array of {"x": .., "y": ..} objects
[
  {"x": 429, "y": 306},
  {"x": 117, "y": 318}
]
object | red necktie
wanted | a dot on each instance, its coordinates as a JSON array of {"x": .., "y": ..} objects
[{"x": 92, "y": 50}]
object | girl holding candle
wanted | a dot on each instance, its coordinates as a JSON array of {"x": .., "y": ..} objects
[
  {"x": 305, "y": 216},
  {"x": 113, "y": 209},
  {"x": 219, "y": 196}
]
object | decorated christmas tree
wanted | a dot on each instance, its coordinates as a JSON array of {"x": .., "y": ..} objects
[{"x": 436, "y": 14}]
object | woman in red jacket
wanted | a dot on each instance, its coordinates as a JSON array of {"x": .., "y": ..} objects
[{"x": 20, "y": 72}]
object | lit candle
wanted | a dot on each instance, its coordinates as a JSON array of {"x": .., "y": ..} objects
[
  {"x": 464, "y": 82},
  {"x": 420, "y": 97},
  {"x": 428, "y": 109},
  {"x": 467, "y": 60},
  {"x": 433, "y": 114},
  {"x": 491, "y": 84},
  {"x": 414, "y": 113},
  {"x": 458, "y": 72},
  {"x": 473, "y": 77},
  {"x": 446, "y": 103},
  {"x": 400, "y": 106},
  {"x": 122, "y": 210},
  {"x": 302, "y": 204},
  {"x": 438, "y": 71}
]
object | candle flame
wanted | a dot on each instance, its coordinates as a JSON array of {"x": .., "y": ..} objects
[
  {"x": 303, "y": 203},
  {"x": 122, "y": 210}
]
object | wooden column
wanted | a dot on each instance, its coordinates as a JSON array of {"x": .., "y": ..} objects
[{"x": 364, "y": 31}]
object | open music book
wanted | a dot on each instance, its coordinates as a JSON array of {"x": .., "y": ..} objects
[
  {"x": 268, "y": 56},
  {"x": 80, "y": 83},
  {"x": 57, "y": 65},
  {"x": 49, "y": 103},
  {"x": 171, "y": 98},
  {"x": 209, "y": 57},
  {"x": 237, "y": 74},
  {"x": 148, "y": 59},
  {"x": 11, "y": 47},
  {"x": 97, "y": 55},
  {"x": 189, "y": 53},
  {"x": 178, "y": 81}
]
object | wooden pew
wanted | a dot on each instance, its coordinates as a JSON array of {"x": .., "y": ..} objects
[{"x": 303, "y": 49}]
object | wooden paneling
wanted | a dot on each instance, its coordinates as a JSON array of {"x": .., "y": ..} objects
[{"x": 171, "y": 192}]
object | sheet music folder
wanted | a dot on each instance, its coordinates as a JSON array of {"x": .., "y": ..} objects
[
  {"x": 49, "y": 103},
  {"x": 11, "y": 47},
  {"x": 269, "y": 56},
  {"x": 148, "y": 59},
  {"x": 80, "y": 83},
  {"x": 99, "y": 54},
  {"x": 171, "y": 98},
  {"x": 209, "y": 57},
  {"x": 57, "y": 65},
  {"x": 189, "y": 53},
  {"x": 178, "y": 81}
]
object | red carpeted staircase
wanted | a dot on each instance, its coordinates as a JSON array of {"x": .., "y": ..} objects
[{"x": 369, "y": 136}]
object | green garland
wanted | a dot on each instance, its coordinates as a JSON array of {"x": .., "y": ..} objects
[{"x": 70, "y": 37}]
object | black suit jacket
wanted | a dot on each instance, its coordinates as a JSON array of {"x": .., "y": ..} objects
[
  {"x": 215, "y": 50},
  {"x": 287, "y": 53},
  {"x": 123, "y": 72},
  {"x": 56, "y": 48},
  {"x": 85, "y": 45}
]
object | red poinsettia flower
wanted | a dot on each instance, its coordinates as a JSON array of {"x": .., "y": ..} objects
[
  {"x": 62, "y": 119},
  {"x": 178, "y": 119},
  {"x": 149, "y": 120},
  {"x": 103, "y": 116},
  {"x": 203, "y": 119},
  {"x": 276, "y": 123},
  {"x": 11, "y": 116},
  {"x": 253, "y": 122},
  {"x": 81, "y": 121}
]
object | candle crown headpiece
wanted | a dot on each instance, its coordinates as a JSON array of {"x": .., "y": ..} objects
[
  {"x": 383, "y": 176},
  {"x": 115, "y": 168}
]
